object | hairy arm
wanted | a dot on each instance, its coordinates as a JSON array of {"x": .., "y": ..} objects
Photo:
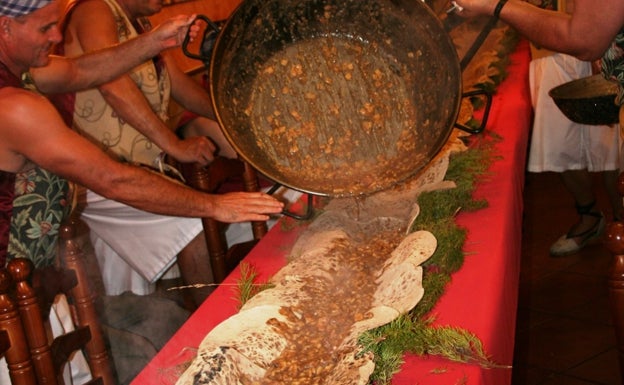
[
  {"x": 586, "y": 34},
  {"x": 43, "y": 139},
  {"x": 67, "y": 75},
  {"x": 187, "y": 92}
]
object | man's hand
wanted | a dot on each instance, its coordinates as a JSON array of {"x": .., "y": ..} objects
[
  {"x": 171, "y": 33},
  {"x": 471, "y": 8},
  {"x": 244, "y": 206},
  {"x": 194, "y": 149}
]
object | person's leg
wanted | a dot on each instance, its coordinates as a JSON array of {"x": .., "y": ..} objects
[
  {"x": 591, "y": 221},
  {"x": 135, "y": 244},
  {"x": 194, "y": 264},
  {"x": 579, "y": 184},
  {"x": 615, "y": 199}
]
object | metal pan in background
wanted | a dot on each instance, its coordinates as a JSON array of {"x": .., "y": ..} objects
[{"x": 590, "y": 100}]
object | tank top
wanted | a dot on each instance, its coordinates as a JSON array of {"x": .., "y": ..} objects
[
  {"x": 96, "y": 120},
  {"x": 32, "y": 205}
]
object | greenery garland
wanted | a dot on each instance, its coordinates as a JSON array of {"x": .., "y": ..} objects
[{"x": 413, "y": 332}]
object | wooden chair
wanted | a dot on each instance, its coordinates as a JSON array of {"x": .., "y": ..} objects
[
  {"x": 223, "y": 257},
  {"x": 5, "y": 344},
  {"x": 26, "y": 295},
  {"x": 20, "y": 366}
]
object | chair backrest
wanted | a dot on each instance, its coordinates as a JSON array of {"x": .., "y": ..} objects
[
  {"x": 5, "y": 344},
  {"x": 17, "y": 355},
  {"x": 224, "y": 257},
  {"x": 27, "y": 295}
]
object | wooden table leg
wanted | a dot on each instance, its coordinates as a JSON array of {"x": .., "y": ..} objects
[{"x": 615, "y": 244}]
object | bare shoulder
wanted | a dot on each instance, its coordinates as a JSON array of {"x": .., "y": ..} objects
[
  {"x": 6, "y": 92},
  {"x": 26, "y": 115},
  {"x": 92, "y": 4},
  {"x": 32, "y": 130},
  {"x": 14, "y": 101},
  {"x": 93, "y": 24},
  {"x": 19, "y": 114},
  {"x": 90, "y": 9},
  {"x": 20, "y": 104}
]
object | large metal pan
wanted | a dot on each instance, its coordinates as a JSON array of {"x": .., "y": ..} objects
[{"x": 335, "y": 97}]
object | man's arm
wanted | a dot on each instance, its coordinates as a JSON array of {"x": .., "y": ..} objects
[
  {"x": 68, "y": 75},
  {"x": 586, "y": 34},
  {"x": 187, "y": 92},
  {"x": 45, "y": 140}
]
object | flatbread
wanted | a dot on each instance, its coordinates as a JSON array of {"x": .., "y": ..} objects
[{"x": 243, "y": 348}]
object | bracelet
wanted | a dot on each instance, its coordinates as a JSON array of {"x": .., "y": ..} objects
[{"x": 499, "y": 8}]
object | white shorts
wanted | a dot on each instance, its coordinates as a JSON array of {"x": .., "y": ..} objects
[
  {"x": 558, "y": 144},
  {"x": 134, "y": 248}
]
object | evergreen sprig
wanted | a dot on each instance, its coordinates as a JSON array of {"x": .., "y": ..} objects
[{"x": 246, "y": 285}]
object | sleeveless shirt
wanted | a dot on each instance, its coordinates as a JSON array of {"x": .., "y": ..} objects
[
  {"x": 32, "y": 205},
  {"x": 96, "y": 119}
]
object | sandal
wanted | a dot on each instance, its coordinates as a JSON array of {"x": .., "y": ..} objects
[{"x": 569, "y": 243}]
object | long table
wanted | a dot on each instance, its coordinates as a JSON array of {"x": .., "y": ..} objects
[{"x": 482, "y": 296}]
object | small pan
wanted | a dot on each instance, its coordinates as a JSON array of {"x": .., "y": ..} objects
[{"x": 590, "y": 100}]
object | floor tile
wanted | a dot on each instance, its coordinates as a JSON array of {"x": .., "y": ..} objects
[
  {"x": 560, "y": 292},
  {"x": 603, "y": 369},
  {"x": 596, "y": 310},
  {"x": 564, "y": 329},
  {"x": 560, "y": 343}
]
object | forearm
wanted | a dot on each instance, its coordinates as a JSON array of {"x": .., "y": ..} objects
[
  {"x": 196, "y": 99},
  {"x": 131, "y": 105},
  {"x": 92, "y": 69},
  {"x": 188, "y": 92},
  {"x": 151, "y": 192},
  {"x": 154, "y": 193},
  {"x": 104, "y": 65},
  {"x": 107, "y": 64},
  {"x": 548, "y": 29},
  {"x": 586, "y": 34}
]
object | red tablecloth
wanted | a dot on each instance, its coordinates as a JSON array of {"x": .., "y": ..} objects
[{"x": 482, "y": 297}]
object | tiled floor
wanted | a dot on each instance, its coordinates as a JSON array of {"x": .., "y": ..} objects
[{"x": 564, "y": 330}]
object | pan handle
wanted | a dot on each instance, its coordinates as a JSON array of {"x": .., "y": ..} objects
[
  {"x": 208, "y": 38},
  {"x": 301, "y": 217},
  {"x": 486, "y": 112}
]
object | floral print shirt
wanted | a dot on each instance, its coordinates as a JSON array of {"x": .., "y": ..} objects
[
  {"x": 613, "y": 64},
  {"x": 39, "y": 207}
]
